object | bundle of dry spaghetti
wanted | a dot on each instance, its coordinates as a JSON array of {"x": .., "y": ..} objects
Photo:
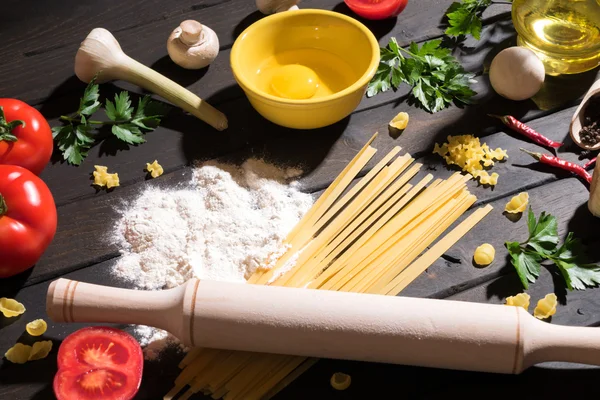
[{"x": 366, "y": 238}]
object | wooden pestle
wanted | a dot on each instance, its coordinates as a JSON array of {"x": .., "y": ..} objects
[{"x": 321, "y": 323}]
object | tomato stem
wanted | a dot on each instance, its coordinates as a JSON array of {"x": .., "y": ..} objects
[
  {"x": 6, "y": 127},
  {"x": 3, "y": 206}
]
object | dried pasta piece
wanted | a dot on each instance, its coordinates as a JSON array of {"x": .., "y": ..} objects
[
  {"x": 40, "y": 350},
  {"x": 467, "y": 152},
  {"x": 340, "y": 381},
  {"x": 18, "y": 354},
  {"x": 518, "y": 203},
  {"x": 399, "y": 122},
  {"x": 103, "y": 179},
  {"x": 11, "y": 307},
  {"x": 546, "y": 307},
  {"x": 36, "y": 327},
  {"x": 519, "y": 300},
  {"x": 484, "y": 254},
  {"x": 155, "y": 169}
]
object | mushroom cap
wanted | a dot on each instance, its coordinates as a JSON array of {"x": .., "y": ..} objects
[{"x": 193, "y": 45}]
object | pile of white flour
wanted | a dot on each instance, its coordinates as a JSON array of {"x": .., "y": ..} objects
[{"x": 222, "y": 225}]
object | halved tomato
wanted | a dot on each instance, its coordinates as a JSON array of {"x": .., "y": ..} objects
[
  {"x": 376, "y": 9},
  {"x": 98, "y": 363}
]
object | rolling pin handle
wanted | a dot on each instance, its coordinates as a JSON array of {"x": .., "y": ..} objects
[{"x": 73, "y": 301}]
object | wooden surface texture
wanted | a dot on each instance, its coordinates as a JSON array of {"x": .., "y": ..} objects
[{"x": 40, "y": 39}]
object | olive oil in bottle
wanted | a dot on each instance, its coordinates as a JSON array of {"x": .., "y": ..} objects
[{"x": 565, "y": 34}]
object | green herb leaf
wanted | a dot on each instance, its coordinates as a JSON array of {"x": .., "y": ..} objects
[
  {"x": 77, "y": 135},
  {"x": 571, "y": 260},
  {"x": 436, "y": 77},
  {"x": 68, "y": 140},
  {"x": 381, "y": 82},
  {"x": 464, "y": 18},
  {"x": 89, "y": 103},
  {"x": 121, "y": 109},
  {"x": 542, "y": 244},
  {"x": 543, "y": 238},
  {"x": 129, "y": 133},
  {"x": 148, "y": 113},
  {"x": 526, "y": 263}
]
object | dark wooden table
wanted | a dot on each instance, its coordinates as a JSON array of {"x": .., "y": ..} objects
[{"x": 39, "y": 41}]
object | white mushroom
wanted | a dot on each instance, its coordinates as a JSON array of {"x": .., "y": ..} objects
[
  {"x": 275, "y": 6},
  {"x": 193, "y": 45},
  {"x": 100, "y": 56}
]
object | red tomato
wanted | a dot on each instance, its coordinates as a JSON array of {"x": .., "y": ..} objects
[
  {"x": 27, "y": 219},
  {"x": 27, "y": 144},
  {"x": 376, "y": 9},
  {"x": 98, "y": 363}
]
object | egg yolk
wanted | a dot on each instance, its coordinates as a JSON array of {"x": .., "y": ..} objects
[{"x": 295, "y": 82}]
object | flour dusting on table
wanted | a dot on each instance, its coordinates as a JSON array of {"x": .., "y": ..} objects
[{"x": 226, "y": 222}]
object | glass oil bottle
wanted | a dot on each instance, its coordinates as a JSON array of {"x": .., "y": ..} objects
[{"x": 565, "y": 34}]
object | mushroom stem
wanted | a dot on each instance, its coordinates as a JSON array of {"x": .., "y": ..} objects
[
  {"x": 191, "y": 32},
  {"x": 100, "y": 54}
]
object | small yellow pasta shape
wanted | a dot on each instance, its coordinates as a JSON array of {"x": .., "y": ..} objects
[
  {"x": 518, "y": 203},
  {"x": 484, "y": 254},
  {"x": 467, "y": 152},
  {"x": 155, "y": 169},
  {"x": 340, "y": 381},
  {"x": 11, "y": 307},
  {"x": 519, "y": 300},
  {"x": 546, "y": 307},
  {"x": 36, "y": 327},
  {"x": 400, "y": 121},
  {"x": 40, "y": 350},
  {"x": 18, "y": 354},
  {"x": 103, "y": 179}
]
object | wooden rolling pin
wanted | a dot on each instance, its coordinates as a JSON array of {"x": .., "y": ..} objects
[{"x": 320, "y": 323}]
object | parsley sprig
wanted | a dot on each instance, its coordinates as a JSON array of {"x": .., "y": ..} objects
[
  {"x": 542, "y": 245},
  {"x": 464, "y": 17},
  {"x": 436, "y": 77},
  {"x": 79, "y": 133}
]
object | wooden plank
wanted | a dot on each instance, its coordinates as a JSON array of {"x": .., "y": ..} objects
[
  {"x": 34, "y": 380},
  {"x": 582, "y": 308},
  {"x": 455, "y": 272},
  {"x": 324, "y": 150},
  {"x": 143, "y": 34},
  {"x": 86, "y": 226},
  {"x": 578, "y": 307},
  {"x": 189, "y": 139}
]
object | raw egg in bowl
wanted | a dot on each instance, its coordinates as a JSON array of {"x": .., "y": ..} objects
[{"x": 305, "y": 69}]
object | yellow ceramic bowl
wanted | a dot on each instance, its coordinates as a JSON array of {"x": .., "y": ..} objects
[{"x": 344, "y": 37}]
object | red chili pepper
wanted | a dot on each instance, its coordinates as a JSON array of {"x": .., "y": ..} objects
[
  {"x": 531, "y": 133},
  {"x": 562, "y": 164},
  {"x": 589, "y": 163}
]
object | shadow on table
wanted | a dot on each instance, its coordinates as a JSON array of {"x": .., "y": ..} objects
[
  {"x": 30, "y": 381},
  {"x": 379, "y": 28},
  {"x": 9, "y": 287},
  {"x": 245, "y": 23},
  {"x": 257, "y": 136},
  {"x": 184, "y": 77},
  {"x": 374, "y": 381}
]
